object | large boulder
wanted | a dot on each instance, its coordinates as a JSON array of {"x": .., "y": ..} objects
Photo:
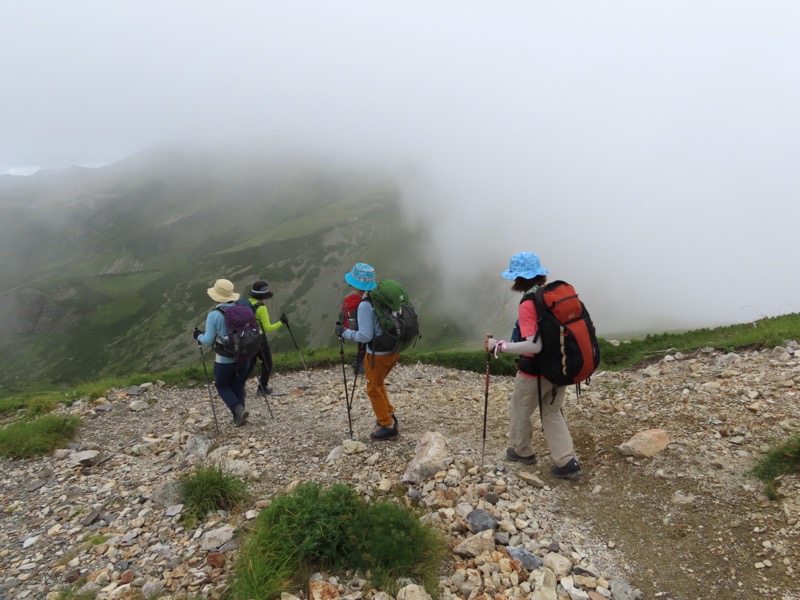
[{"x": 432, "y": 455}]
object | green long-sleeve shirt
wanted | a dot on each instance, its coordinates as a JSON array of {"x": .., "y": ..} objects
[{"x": 262, "y": 316}]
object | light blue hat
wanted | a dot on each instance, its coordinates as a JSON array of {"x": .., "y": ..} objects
[
  {"x": 362, "y": 277},
  {"x": 524, "y": 264}
]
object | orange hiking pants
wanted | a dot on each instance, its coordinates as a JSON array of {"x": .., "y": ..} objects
[{"x": 376, "y": 368}]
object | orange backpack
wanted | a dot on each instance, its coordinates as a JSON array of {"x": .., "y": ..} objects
[{"x": 570, "y": 353}]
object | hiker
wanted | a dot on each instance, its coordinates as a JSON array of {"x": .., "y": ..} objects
[
  {"x": 258, "y": 294},
  {"x": 526, "y": 271},
  {"x": 347, "y": 318},
  {"x": 229, "y": 375},
  {"x": 377, "y": 365}
]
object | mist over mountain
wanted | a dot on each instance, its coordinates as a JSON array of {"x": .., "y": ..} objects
[{"x": 106, "y": 270}]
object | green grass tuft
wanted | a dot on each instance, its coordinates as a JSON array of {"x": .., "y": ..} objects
[
  {"x": 26, "y": 439},
  {"x": 784, "y": 459},
  {"x": 334, "y": 528},
  {"x": 209, "y": 489},
  {"x": 392, "y": 543}
]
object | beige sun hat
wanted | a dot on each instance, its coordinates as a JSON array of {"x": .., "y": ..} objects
[{"x": 223, "y": 291}]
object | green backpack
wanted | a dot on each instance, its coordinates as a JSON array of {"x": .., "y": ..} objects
[{"x": 396, "y": 317}]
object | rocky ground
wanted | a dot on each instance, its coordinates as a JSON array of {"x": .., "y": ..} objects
[{"x": 103, "y": 516}]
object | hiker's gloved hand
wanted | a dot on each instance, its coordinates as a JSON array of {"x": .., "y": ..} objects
[
  {"x": 197, "y": 333},
  {"x": 339, "y": 329},
  {"x": 284, "y": 319}
]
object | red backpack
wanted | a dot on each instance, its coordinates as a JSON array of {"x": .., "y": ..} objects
[
  {"x": 349, "y": 310},
  {"x": 570, "y": 353}
]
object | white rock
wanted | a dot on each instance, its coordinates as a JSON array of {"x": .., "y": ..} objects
[
  {"x": 431, "y": 456},
  {"x": 217, "y": 537},
  {"x": 353, "y": 446}
]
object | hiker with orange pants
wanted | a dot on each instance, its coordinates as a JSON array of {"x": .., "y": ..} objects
[
  {"x": 527, "y": 273},
  {"x": 377, "y": 365}
]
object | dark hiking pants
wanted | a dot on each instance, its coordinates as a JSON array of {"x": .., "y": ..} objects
[
  {"x": 229, "y": 379},
  {"x": 264, "y": 356}
]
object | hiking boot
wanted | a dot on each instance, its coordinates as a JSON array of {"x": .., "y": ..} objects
[
  {"x": 511, "y": 454},
  {"x": 396, "y": 423},
  {"x": 571, "y": 470},
  {"x": 385, "y": 433},
  {"x": 240, "y": 415}
]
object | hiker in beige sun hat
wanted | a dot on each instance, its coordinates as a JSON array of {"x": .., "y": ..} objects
[{"x": 223, "y": 291}]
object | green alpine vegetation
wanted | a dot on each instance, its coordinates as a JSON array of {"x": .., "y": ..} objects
[
  {"x": 211, "y": 488},
  {"x": 317, "y": 528},
  {"x": 780, "y": 461},
  {"x": 25, "y": 439}
]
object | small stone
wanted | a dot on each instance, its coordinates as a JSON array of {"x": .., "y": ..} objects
[{"x": 215, "y": 559}]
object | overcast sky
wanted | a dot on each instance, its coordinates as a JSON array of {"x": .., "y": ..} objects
[{"x": 648, "y": 151}]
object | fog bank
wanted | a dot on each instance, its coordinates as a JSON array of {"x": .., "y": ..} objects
[{"x": 646, "y": 152}]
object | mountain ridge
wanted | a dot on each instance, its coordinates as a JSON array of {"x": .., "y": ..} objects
[{"x": 112, "y": 278}]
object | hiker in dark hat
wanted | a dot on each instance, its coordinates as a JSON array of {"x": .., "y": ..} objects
[
  {"x": 527, "y": 273},
  {"x": 258, "y": 294},
  {"x": 377, "y": 365},
  {"x": 229, "y": 376}
]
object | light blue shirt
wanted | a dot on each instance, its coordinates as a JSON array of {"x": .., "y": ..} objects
[{"x": 215, "y": 328}]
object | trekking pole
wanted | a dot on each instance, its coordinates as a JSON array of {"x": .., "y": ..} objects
[
  {"x": 485, "y": 402},
  {"x": 261, "y": 388},
  {"x": 208, "y": 384},
  {"x": 359, "y": 356},
  {"x": 346, "y": 395},
  {"x": 298, "y": 350}
]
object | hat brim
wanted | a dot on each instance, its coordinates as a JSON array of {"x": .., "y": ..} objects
[
  {"x": 364, "y": 286},
  {"x": 509, "y": 274},
  {"x": 217, "y": 297}
]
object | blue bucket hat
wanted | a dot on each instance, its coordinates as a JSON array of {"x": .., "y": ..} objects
[
  {"x": 362, "y": 277},
  {"x": 524, "y": 264}
]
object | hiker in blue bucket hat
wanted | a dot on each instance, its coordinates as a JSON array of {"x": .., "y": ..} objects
[
  {"x": 524, "y": 264},
  {"x": 378, "y": 365},
  {"x": 526, "y": 271}
]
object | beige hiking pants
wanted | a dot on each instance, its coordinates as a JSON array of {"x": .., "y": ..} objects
[{"x": 524, "y": 401}]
